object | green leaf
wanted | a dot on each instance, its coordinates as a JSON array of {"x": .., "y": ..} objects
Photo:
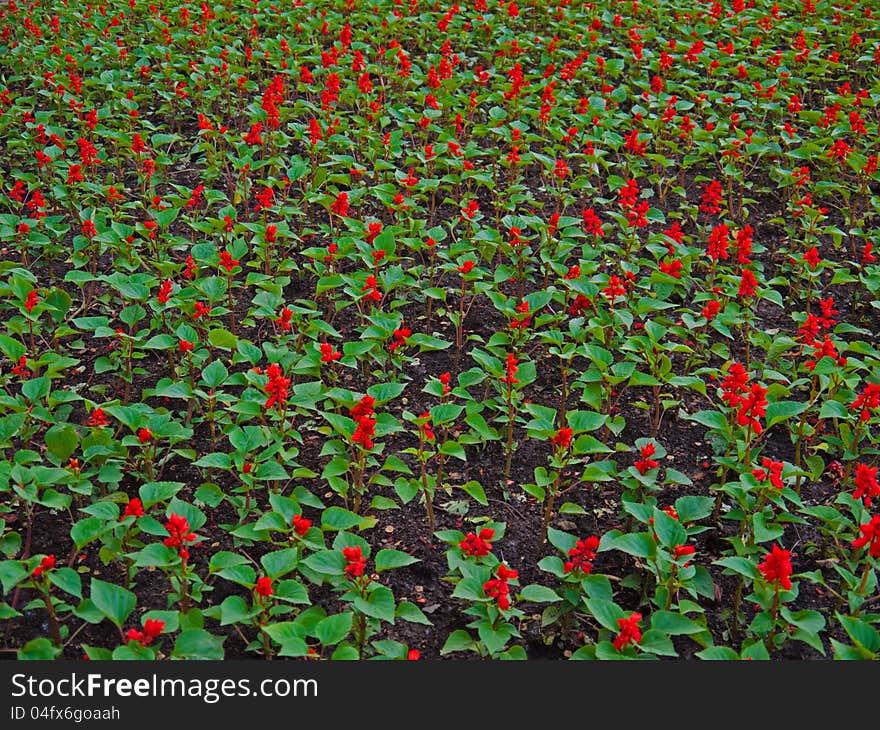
[
  {"x": 605, "y": 612},
  {"x": 333, "y": 629},
  {"x": 718, "y": 653},
  {"x": 222, "y": 339},
  {"x": 292, "y": 591},
  {"x": 36, "y": 388},
  {"x": 155, "y": 555},
  {"x": 198, "y": 644},
  {"x": 326, "y": 562},
  {"x": 638, "y": 544},
  {"x": 337, "y": 518},
  {"x": 861, "y": 633},
  {"x": 155, "y": 492},
  {"x": 280, "y": 562},
  {"x": 586, "y": 420},
  {"x": 233, "y": 610},
  {"x": 669, "y": 530},
  {"x": 656, "y": 642},
  {"x": 12, "y": 348},
  {"x": 388, "y": 559},
  {"x": 562, "y": 541},
  {"x": 427, "y": 342},
  {"x": 412, "y": 613},
  {"x": 586, "y": 444},
  {"x": 384, "y": 392},
  {"x": 458, "y": 640},
  {"x": 115, "y": 602},
  {"x": 61, "y": 441},
  {"x": 215, "y": 374},
  {"x": 740, "y": 565},
  {"x": 691, "y": 508},
  {"x": 781, "y": 410},
  {"x": 450, "y": 447},
  {"x": 270, "y": 471},
  {"x": 87, "y": 530},
  {"x": 539, "y": 594},
  {"x": 763, "y": 531},
  {"x": 675, "y": 624},
  {"x": 379, "y": 604},
  {"x": 710, "y": 419},
  {"x": 67, "y": 579},
  {"x": 285, "y": 632},
  {"x": 475, "y": 490},
  {"x": 40, "y": 649}
]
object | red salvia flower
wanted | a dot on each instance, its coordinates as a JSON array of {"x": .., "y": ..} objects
[
  {"x": 752, "y": 407},
  {"x": 254, "y": 134},
  {"x": 364, "y": 407},
  {"x": 562, "y": 438},
  {"x": 629, "y": 631},
  {"x": 301, "y": 525},
  {"x": 263, "y": 588},
  {"x": 164, "y": 292},
  {"x": 445, "y": 379},
  {"x": 152, "y": 629},
  {"x": 867, "y": 400},
  {"x": 340, "y": 205},
  {"x": 134, "y": 508},
  {"x": 355, "y": 562},
  {"x": 364, "y": 432},
  {"x": 179, "y": 535},
  {"x": 718, "y": 245},
  {"x": 771, "y": 470},
  {"x": 45, "y": 565},
  {"x": 747, "y": 284},
  {"x": 399, "y": 337},
  {"x": 776, "y": 568},
  {"x": 277, "y": 386},
  {"x": 97, "y": 419},
  {"x": 711, "y": 309},
  {"x": 371, "y": 287},
  {"x": 32, "y": 300},
  {"x": 498, "y": 588},
  {"x": 21, "y": 368},
  {"x": 646, "y": 463},
  {"x": 870, "y": 535},
  {"x": 866, "y": 484},
  {"x": 510, "y": 368},
  {"x": 812, "y": 258},
  {"x": 478, "y": 546},
  {"x": 328, "y": 354},
  {"x": 614, "y": 288},
  {"x": 581, "y": 556},
  {"x": 284, "y": 319},
  {"x": 227, "y": 262},
  {"x": 425, "y": 429},
  {"x": 712, "y": 197}
]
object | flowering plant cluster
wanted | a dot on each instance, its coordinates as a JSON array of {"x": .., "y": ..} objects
[{"x": 403, "y": 329}]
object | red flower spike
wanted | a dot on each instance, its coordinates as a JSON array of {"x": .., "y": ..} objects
[
  {"x": 355, "y": 562},
  {"x": 581, "y": 556},
  {"x": 776, "y": 568},
  {"x": 263, "y": 588},
  {"x": 301, "y": 525},
  {"x": 870, "y": 536},
  {"x": 629, "y": 631},
  {"x": 478, "y": 546}
]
